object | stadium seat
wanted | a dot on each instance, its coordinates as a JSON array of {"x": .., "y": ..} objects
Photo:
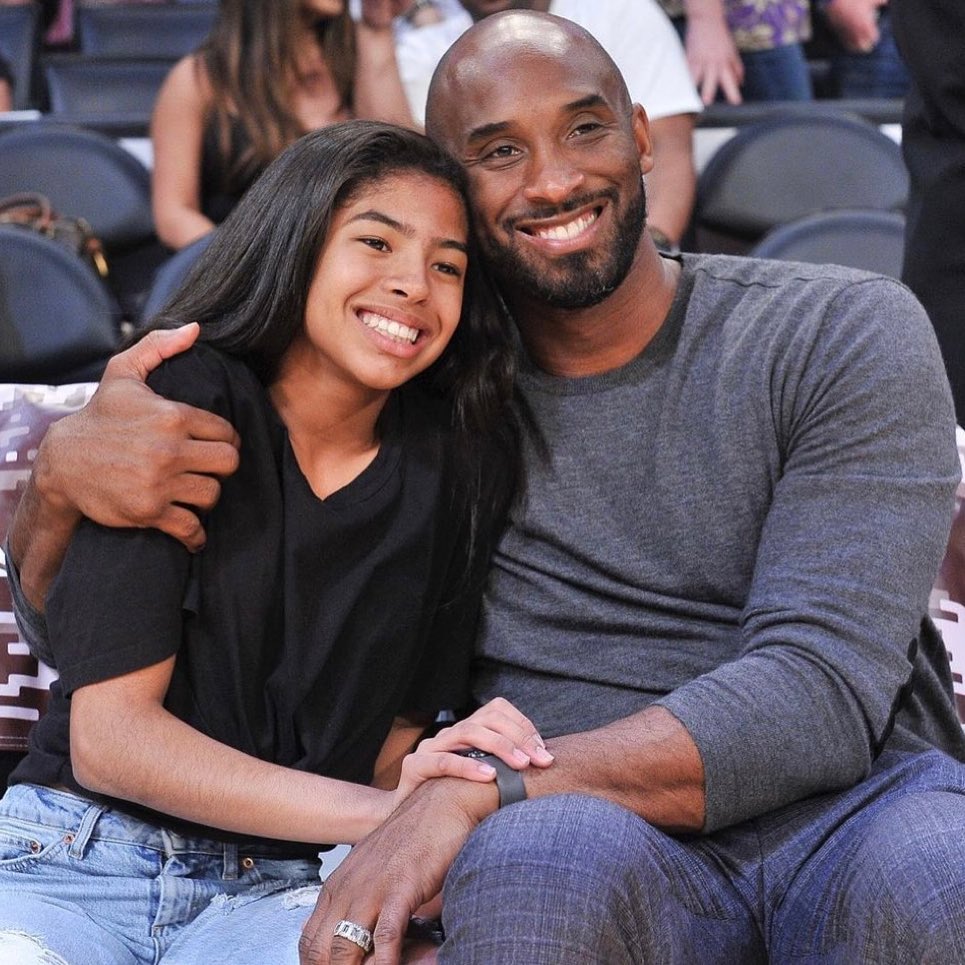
[
  {"x": 59, "y": 323},
  {"x": 171, "y": 274},
  {"x": 162, "y": 30},
  {"x": 872, "y": 240},
  {"x": 89, "y": 175},
  {"x": 790, "y": 165},
  {"x": 82, "y": 87}
]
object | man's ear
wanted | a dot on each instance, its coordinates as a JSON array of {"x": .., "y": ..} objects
[{"x": 641, "y": 135}]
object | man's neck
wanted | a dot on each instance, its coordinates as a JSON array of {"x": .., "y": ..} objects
[{"x": 589, "y": 341}]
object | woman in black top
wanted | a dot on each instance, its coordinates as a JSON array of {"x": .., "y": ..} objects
[{"x": 241, "y": 706}]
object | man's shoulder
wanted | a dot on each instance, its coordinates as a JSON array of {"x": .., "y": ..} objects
[
  {"x": 779, "y": 274},
  {"x": 786, "y": 287},
  {"x": 765, "y": 306}
]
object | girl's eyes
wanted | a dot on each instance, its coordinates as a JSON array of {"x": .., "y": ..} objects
[{"x": 443, "y": 267}]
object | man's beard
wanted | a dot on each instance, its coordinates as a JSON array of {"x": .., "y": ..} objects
[{"x": 577, "y": 280}]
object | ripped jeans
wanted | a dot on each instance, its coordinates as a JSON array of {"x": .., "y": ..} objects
[{"x": 81, "y": 884}]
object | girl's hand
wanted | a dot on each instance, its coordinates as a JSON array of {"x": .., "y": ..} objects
[{"x": 497, "y": 728}]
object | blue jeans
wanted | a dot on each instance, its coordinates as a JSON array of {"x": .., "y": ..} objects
[
  {"x": 86, "y": 885},
  {"x": 875, "y": 874},
  {"x": 780, "y": 74},
  {"x": 879, "y": 73}
]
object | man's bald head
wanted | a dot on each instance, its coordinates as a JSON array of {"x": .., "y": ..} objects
[{"x": 503, "y": 53}]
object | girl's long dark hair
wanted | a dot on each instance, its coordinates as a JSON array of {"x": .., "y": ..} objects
[{"x": 249, "y": 288}]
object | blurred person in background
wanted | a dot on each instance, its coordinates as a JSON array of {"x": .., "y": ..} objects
[
  {"x": 865, "y": 61},
  {"x": 931, "y": 37},
  {"x": 268, "y": 73},
  {"x": 6, "y": 86},
  {"x": 745, "y": 50},
  {"x": 638, "y": 37}
]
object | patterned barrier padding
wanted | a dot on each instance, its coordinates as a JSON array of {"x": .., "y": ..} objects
[
  {"x": 947, "y": 603},
  {"x": 26, "y": 411}
]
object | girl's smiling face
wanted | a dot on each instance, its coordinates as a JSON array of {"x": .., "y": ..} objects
[{"x": 387, "y": 291}]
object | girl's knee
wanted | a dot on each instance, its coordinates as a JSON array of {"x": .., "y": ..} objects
[{"x": 26, "y": 949}]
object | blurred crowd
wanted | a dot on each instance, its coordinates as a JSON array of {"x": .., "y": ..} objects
[{"x": 269, "y": 72}]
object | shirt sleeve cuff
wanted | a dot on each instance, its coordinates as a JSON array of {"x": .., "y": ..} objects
[{"x": 30, "y": 621}]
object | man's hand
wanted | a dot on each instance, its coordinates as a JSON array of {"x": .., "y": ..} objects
[
  {"x": 855, "y": 22},
  {"x": 395, "y": 870},
  {"x": 131, "y": 458}
]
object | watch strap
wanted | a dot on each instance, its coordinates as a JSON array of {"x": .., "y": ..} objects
[{"x": 509, "y": 782}]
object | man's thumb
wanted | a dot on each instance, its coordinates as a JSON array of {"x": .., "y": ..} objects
[{"x": 146, "y": 355}]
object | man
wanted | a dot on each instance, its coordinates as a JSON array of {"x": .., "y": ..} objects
[
  {"x": 739, "y": 492},
  {"x": 930, "y": 36},
  {"x": 642, "y": 42}
]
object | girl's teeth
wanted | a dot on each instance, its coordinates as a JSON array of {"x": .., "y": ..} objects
[{"x": 389, "y": 327}]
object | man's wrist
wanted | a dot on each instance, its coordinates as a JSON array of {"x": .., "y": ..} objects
[
  {"x": 46, "y": 489},
  {"x": 476, "y": 800}
]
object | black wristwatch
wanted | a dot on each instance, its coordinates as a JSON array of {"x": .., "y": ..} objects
[{"x": 509, "y": 783}]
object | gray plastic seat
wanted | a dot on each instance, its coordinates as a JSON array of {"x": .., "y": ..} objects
[
  {"x": 870, "y": 240},
  {"x": 163, "y": 30},
  {"x": 170, "y": 276},
  {"x": 85, "y": 174},
  {"x": 58, "y": 322},
  {"x": 88, "y": 87},
  {"x": 785, "y": 167},
  {"x": 89, "y": 175}
]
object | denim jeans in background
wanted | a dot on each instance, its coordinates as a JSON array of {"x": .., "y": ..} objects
[
  {"x": 880, "y": 73},
  {"x": 769, "y": 75},
  {"x": 99, "y": 887},
  {"x": 779, "y": 74}
]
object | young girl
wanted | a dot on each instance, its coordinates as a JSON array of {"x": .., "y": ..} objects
[
  {"x": 220, "y": 715},
  {"x": 268, "y": 73}
]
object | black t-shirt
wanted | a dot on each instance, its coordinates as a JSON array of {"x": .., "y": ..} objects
[{"x": 305, "y": 625}]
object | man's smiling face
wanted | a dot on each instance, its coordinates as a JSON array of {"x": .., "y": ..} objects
[{"x": 554, "y": 151}]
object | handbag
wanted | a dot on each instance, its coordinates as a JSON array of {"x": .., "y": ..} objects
[{"x": 32, "y": 210}]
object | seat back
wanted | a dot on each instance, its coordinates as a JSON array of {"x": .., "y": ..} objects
[
  {"x": 85, "y": 87},
  {"x": 782, "y": 168},
  {"x": 871, "y": 240},
  {"x": 19, "y": 44},
  {"x": 85, "y": 174},
  {"x": 170, "y": 276},
  {"x": 59, "y": 322},
  {"x": 163, "y": 30}
]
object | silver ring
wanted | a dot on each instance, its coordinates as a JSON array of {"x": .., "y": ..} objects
[{"x": 354, "y": 933}]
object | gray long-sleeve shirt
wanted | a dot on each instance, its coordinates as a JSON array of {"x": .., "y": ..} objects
[{"x": 742, "y": 524}]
